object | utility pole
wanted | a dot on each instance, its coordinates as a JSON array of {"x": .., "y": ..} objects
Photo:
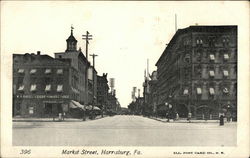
[
  {"x": 93, "y": 78},
  {"x": 175, "y": 22},
  {"x": 87, "y": 37}
]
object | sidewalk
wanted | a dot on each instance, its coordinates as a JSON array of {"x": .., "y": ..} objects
[
  {"x": 182, "y": 120},
  {"x": 20, "y": 119}
]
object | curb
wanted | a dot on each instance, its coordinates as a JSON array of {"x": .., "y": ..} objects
[{"x": 51, "y": 120}]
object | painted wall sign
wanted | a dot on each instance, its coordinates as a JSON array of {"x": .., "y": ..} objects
[{"x": 43, "y": 96}]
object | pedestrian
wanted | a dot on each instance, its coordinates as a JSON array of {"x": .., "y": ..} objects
[
  {"x": 167, "y": 116},
  {"x": 221, "y": 120},
  {"x": 177, "y": 116},
  {"x": 189, "y": 117}
]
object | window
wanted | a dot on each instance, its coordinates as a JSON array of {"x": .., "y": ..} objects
[
  {"x": 211, "y": 41},
  {"x": 211, "y": 73},
  {"x": 225, "y": 41},
  {"x": 33, "y": 88},
  {"x": 59, "y": 71},
  {"x": 225, "y": 73},
  {"x": 21, "y": 88},
  {"x": 47, "y": 71},
  {"x": 32, "y": 71},
  {"x": 59, "y": 88},
  {"x": 199, "y": 41},
  {"x": 226, "y": 56},
  {"x": 199, "y": 90},
  {"x": 211, "y": 91},
  {"x": 185, "y": 91},
  {"x": 20, "y": 71},
  {"x": 31, "y": 110},
  {"x": 48, "y": 88},
  {"x": 212, "y": 57}
]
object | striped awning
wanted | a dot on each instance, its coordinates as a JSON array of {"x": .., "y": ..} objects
[{"x": 74, "y": 104}]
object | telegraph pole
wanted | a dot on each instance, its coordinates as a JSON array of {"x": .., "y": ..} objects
[
  {"x": 93, "y": 78},
  {"x": 87, "y": 37}
]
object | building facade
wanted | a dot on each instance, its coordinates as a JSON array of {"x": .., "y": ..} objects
[
  {"x": 80, "y": 63},
  {"x": 197, "y": 72},
  {"x": 102, "y": 91},
  {"x": 42, "y": 86}
]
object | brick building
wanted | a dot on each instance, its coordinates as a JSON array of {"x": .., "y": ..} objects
[
  {"x": 197, "y": 72},
  {"x": 42, "y": 85}
]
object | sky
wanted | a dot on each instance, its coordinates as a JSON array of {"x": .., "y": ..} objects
[{"x": 125, "y": 34}]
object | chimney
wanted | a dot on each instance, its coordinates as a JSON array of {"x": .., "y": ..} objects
[{"x": 38, "y": 53}]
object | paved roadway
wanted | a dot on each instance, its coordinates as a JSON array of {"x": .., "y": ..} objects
[{"x": 123, "y": 131}]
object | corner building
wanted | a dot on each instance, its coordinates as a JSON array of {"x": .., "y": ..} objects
[
  {"x": 41, "y": 85},
  {"x": 197, "y": 72}
]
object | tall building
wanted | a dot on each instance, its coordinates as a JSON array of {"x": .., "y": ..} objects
[
  {"x": 102, "y": 91},
  {"x": 197, "y": 72},
  {"x": 80, "y": 63}
]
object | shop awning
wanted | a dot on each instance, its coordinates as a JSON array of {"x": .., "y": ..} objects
[
  {"x": 90, "y": 107},
  {"x": 74, "y": 104},
  {"x": 96, "y": 108}
]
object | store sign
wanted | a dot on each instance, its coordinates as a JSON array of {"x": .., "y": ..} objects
[{"x": 43, "y": 96}]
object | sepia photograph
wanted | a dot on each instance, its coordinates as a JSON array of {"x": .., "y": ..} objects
[{"x": 125, "y": 79}]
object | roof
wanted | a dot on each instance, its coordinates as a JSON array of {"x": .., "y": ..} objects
[
  {"x": 71, "y": 37},
  {"x": 39, "y": 59},
  {"x": 200, "y": 28}
]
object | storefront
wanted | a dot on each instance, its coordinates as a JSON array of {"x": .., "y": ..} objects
[{"x": 40, "y": 105}]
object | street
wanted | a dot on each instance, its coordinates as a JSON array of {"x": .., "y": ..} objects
[{"x": 123, "y": 130}]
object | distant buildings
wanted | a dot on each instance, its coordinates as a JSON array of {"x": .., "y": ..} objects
[
  {"x": 44, "y": 86},
  {"x": 102, "y": 91}
]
